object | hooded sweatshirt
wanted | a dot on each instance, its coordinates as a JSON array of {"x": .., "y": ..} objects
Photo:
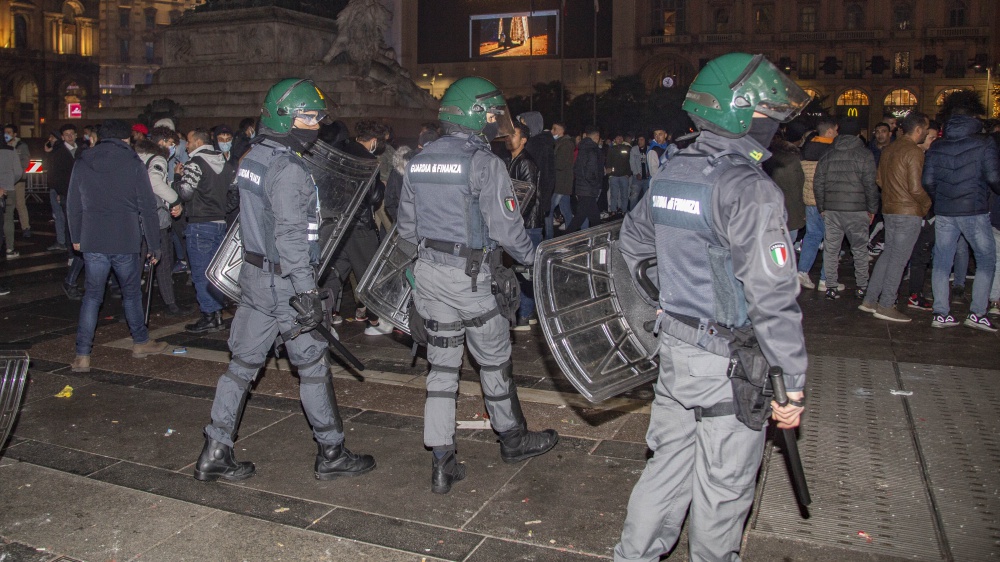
[
  {"x": 541, "y": 147},
  {"x": 110, "y": 203},
  {"x": 204, "y": 183}
]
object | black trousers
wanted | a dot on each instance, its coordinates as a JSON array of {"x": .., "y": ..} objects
[
  {"x": 586, "y": 209},
  {"x": 354, "y": 254},
  {"x": 920, "y": 258}
]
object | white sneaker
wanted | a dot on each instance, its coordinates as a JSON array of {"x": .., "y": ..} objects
[
  {"x": 381, "y": 329},
  {"x": 822, "y": 285},
  {"x": 805, "y": 281}
]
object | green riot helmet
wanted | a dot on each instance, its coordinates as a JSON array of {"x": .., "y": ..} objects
[
  {"x": 468, "y": 102},
  {"x": 288, "y": 98},
  {"x": 727, "y": 92}
]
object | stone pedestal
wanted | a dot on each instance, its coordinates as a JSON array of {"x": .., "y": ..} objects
[{"x": 218, "y": 66}]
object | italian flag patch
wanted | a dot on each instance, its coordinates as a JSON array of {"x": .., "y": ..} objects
[
  {"x": 779, "y": 253},
  {"x": 510, "y": 203}
]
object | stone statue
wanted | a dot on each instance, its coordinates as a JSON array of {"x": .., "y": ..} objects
[{"x": 360, "y": 29}]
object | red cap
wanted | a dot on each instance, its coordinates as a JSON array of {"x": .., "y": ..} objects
[{"x": 140, "y": 128}]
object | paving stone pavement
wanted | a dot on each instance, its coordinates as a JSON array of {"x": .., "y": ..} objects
[{"x": 106, "y": 473}]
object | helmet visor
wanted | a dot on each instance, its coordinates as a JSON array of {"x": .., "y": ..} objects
[
  {"x": 776, "y": 95},
  {"x": 320, "y": 118},
  {"x": 505, "y": 126}
]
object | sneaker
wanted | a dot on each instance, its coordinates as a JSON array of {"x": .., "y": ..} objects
[
  {"x": 12, "y": 254},
  {"x": 865, "y": 306},
  {"x": 72, "y": 292},
  {"x": 337, "y": 320},
  {"x": 891, "y": 314},
  {"x": 832, "y": 294},
  {"x": 378, "y": 329},
  {"x": 180, "y": 267},
  {"x": 57, "y": 247},
  {"x": 26, "y": 233},
  {"x": 361, "y": 314},
  {"x": 605, "y": 215},
  {"x": 822, "y": 286},
  {"x": 522, "y": 325},
  {"x": 994, "y": 307},
  {"x": 561, "y": 227},
  {"x": 805, "y": 281},
  {"x": 533, "y": 319},
  {"x": 918, "y": 302},
  {"x": 860, "y": 293},
  {"x": 875, "y": 250},
  {"x": 4, "y": 290},
  {"x": 980, "y": 323},
  {"x": 943, "y": 321}
]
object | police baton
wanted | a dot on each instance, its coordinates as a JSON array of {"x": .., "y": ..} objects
[
  {"x": 791, "y": 445},
  {"x": 329, "y": 337},
  {"x": 149, "y": 288}
]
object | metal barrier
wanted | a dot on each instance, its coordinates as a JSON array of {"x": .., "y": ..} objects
[
  {"x": 37, "y": 187},
  {"x": 14, "y": 367}
]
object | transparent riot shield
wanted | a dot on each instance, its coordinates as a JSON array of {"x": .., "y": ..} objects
[
  {"x": 14, "y": 369},
  {"x": 343, "y": 182},
  {"x": 385, "y": 288},
  {"x": 593, "y": 317}
]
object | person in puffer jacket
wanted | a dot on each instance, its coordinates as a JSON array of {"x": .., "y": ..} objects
[
  {"x": 960, "y": 170},
  {"x": 847, "y": 198}
]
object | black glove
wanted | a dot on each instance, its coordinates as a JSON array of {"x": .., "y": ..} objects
[{"x": 310, "y": 310}]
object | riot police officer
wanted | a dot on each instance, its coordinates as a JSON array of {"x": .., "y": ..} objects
[
  {"x": 279, "y": 218},
  {"x": 716, "y": 226},
  {"x": 458, "y": 206}
]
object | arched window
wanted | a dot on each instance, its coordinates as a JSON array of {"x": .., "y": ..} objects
[
  {"x": 71, "y": 9},
  {"x": 854, "y": 17},
  {"x": 20, "y": 32},
  {"x": 945, "y": 93},
  {"x": 902, "y": 17},
  {"x": 813, "y": 94},
  {"x": 900, "y": 98},
  {"x": 956, "y": 14},
  {"x": 853, "y": 97},
  {"x": 720, "y": 20}
]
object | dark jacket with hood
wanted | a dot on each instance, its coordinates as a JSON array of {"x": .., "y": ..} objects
[
  {"x": 365, "y": 217},
  {"x": 110, "y": 203},
  {"x": 845, "y": 178},
  {"x": 565, "y": 150},
  {"x": 541, "y": 147},
  {"x": 523, "y": 167},
  {"x": 59, "y": 165},
  {"x": 785, "y": 168},
  {"x": 588, "y": 171},
  {"x": 961, "y": 168}
]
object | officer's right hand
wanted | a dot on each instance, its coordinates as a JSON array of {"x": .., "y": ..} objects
[
  {"x": 788, "y": 416},
  {"x": 309, "y": 307}
]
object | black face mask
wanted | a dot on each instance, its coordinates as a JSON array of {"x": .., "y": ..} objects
[
  {"x": 302, "y": 139},
  {"x": 490, "y": 131},
  {"x": 762, "y": 130}
]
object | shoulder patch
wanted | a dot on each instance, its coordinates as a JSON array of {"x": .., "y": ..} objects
[
  {"x": 779, "y": 253},
  {"x": 510, "y": 204}
]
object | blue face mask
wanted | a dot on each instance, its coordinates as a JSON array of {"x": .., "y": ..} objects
[
  {"x": 225, "y": 146},
  {"x": 7, "y": 137},
  {"x": 173, "y": 150}
]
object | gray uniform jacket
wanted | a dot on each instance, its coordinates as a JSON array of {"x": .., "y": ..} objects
[
  {"x": 749, "y": 219},
  {"x": 490, "y": 180},
  {"x": 845, "y": 178}
]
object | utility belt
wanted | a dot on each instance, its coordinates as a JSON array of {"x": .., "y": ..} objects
[
  {"x": 474, "y": 257},
  {"x": 261, "y": 262},
  {"x": 747, "y": 370}
]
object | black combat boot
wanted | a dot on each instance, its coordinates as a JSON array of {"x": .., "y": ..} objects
[
  {"x": 519, "y": 444},
  {"x": 209, "y": 322},
  {"x": 446, "y": 471},
  {"x": 334, "y": 461},
  {"x": 216, "y": 461}
]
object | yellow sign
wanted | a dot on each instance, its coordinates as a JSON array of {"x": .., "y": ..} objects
[{"x": 852, "y": 112}]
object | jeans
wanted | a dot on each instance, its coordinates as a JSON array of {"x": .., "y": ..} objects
[
  {"x": 59, "y": 216},
  {"x": 619, "y": 191},
  {"x": 961, "y": 267},
  {"x": 565, "y": 205},
  {"x": 979, "y": 234},
  {"x": 995, "y": 290},
  {"x": 527, "y": 307},
  {"x": 203, "y": 240},
  {"x": 812, "y": 241},
  {"x": 854, "y": 226},
  {"x": 901, "y": 233},
  {"x": 639, "y": 188},
  {"x": 127, "y": 268}
]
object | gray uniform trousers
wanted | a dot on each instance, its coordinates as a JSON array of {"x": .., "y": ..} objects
[
  {"x": 709, "y": 466},
  {"x": 853, "y": 225},
  {"x": 264, "y": 312},
  {"x": 444, "y": 293}
]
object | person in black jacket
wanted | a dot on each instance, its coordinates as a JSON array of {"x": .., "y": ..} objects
[
  {"x": 62, "y": 154},
  {"x": 542, "y": 148},
  {"x": 360, "y": 243},
  {"x": 522, "y": 167},
  {"x": 588, "y": 176},
  {"x": 111, "y": 208}
]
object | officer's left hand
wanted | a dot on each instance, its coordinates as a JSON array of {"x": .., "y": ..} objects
[{"x": 788, "y": 416}]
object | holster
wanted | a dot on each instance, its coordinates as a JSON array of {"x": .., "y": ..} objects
[
  {"x": 507, "y": 292},
  {"x": 748, "y": 375}
]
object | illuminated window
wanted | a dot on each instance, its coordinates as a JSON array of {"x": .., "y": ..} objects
[
  {"x": 900, "y": 97},
  {"x": 669, "y": 17},
  {"x": 853, "y": 97},
  {"x": 813, "y": 94},
  {"x": 901, "y": 64},
  {"x": 763, "y": 19},
  {"x": 902, "y": 17},
  {"x": 807, "y": 18}
]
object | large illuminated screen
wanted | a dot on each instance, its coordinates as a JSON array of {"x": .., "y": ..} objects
[{"x": 519, "y": 34}]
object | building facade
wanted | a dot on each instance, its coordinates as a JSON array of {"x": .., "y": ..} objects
[
  {"x": 48, "y": 61},
  {"x": 859, "y": 57}
]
